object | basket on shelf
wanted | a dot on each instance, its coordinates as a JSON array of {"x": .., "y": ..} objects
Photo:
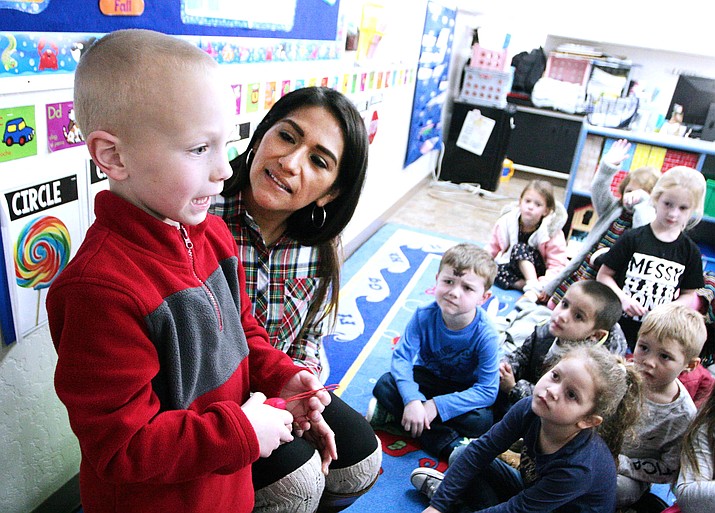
[
  {"x": 574, "y": 70},
  {"x": 612, "y": 112},
  {"x": 486, "y": 87},
  {"x": 487, "y": 59},
  {"x": 710, "y": 199}
]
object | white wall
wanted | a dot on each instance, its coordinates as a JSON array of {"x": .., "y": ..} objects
[
  {"x": 387, "y": 181},
  {"x": 662, "y": 43}
]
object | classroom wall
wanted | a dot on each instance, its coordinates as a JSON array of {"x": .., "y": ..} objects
[
  {"x": 39, "y": 452},
  {"x": 662, "y": 43}
]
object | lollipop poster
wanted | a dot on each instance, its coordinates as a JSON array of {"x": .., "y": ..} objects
[{"x": 43, "y": 234}]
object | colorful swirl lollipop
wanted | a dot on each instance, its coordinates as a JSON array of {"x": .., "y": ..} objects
[{"x": 42, "y": 250}]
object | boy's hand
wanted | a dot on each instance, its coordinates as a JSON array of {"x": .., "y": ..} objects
[
  {"x": 506, "y": 377},
  {"x": 430, "y": 410},
  {"x": 617, "y": 153},
  {"x": 302, "y": 409},
  {"x": 430, "y": 509},
  {"x": 414, "y": 418},
  {"x": 631, "y": 307},
  {"x": 633, "y": 198},
  {"x": 272, "y": 426}
]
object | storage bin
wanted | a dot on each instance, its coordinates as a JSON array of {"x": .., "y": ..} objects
[
  {"x": 574, "y": 70},
  {"x": 710, "y": 199},
  {"x": 707, "y": 253},
  {"x": 487, "y": 59},
  {"x": 486, "y": 87}
]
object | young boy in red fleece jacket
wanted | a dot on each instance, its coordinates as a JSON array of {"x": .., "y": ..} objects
[{"x": 157, "y": 349}]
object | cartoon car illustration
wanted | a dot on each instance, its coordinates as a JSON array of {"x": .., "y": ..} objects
[{"x": 17, "y": 131}]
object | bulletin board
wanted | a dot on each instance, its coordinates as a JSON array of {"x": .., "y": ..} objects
[
  {"x": 48, "y": 37},
  {"x": 431, "y": 88},
  {"x": 291, "y": 19}
]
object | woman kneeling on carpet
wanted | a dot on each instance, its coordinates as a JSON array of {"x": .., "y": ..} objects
[{"x": 291, "y": 195}]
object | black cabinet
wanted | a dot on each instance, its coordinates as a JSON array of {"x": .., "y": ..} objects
[
  {"x": 544, "y": 139},
  {"x": 462, "y": 166}
]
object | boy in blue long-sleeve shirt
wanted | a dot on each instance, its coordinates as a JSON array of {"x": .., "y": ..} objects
[{"x": 444, "y": 375}]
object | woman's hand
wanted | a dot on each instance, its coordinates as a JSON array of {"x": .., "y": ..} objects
[
  {"x": 309, "y": 422},
  {"x": 271, "y": 425},
  {"x": 305, "y": 382},
  {"x": 323, "y": 439}
]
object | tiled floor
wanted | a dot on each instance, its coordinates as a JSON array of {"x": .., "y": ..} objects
[{"x": 444, "y": 208}]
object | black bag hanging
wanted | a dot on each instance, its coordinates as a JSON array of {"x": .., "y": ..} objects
[{"x": 528, "y": 69}]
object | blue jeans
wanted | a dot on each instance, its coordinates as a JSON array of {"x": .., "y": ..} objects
[
  {"x": 439, "y": 439},
  {"x": 498, "y": 483}
]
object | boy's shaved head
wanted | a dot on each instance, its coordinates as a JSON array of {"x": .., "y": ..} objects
[{"x": 125, "y": 73}]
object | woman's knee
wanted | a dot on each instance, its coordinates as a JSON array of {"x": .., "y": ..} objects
[
  {"x": 356, "y": 478},
  {"x": 346, "y": 485},
  {"x": 282, "y": 462},
  {"x": 298, "y": 492},
  {"x": 354, "y": 437}
]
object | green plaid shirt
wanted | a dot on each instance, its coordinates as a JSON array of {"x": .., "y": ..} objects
[{"x": 280, "y": 280}]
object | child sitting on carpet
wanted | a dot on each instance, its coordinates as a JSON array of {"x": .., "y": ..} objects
[
  {"x": 444, "y": 374},
  {"x": 528, "y": 241},
  {"x": 631, "y": 209},
  {"x": 588, "y": 312},
  {"x": 669, "y": 342},
  {"x": 572, "y": 427},
  {"x": 658, "y": 263},
  {"x": 695, "y": 490}
]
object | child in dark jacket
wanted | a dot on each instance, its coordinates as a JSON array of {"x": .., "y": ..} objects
[
  {"x": 573, "y": 427},
  {"x": 588, "y": 312}
]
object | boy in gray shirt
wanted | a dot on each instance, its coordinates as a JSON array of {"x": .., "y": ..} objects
[{"x": 669, "y": 342}]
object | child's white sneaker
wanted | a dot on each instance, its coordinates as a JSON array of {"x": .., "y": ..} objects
[{"x": 426, "y": 480}]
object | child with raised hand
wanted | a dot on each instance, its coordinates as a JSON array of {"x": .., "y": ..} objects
[
  {"x": 658, "y": 263},
  {"x": 572, "y": 427},
  {"x": 444, "y": 374},
  {"x": 695, "y": 489},
  {"x": 669, "y": 342},
  {"x": 615, "y": 215},
  {"x": 528, "y": 243},
  {"x": 589, "y": 312},
  {"x": 158, "y": 352}
]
